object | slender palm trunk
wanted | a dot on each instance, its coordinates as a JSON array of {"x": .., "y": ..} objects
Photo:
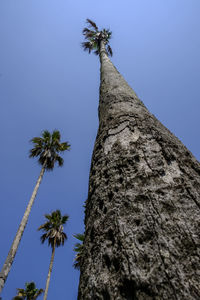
[
  {"x": 142, "y": 212},
  {"x": 13, "y": 250},
  {"x": 50, "y": 270}
]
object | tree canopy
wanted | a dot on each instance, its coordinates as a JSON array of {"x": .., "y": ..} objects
[
  {"x": 47, "y": 148},
  {"x": 94, "y": 36}
]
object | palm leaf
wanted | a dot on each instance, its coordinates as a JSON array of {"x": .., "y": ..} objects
[
  {"x": 60, "y": 161},
  {"x": 64, "y": 146},
  {"x": 56, "y": 135},
  {"x": 85, "y": 30},
  {"x": 87, "y": 46},
  {"x": 78, "y": 248},
  {"x": 96, "y": 52},
  {"x": 79, "y": 236},
  {"x": 109, "y": 50},
  {"x": 92, "y": 24}
]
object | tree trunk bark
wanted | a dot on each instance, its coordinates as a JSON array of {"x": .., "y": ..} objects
[
  {"x": 49, "y": 273},
  {"x": 142, "y": 213},
  {"x": 13, "y": 250}
]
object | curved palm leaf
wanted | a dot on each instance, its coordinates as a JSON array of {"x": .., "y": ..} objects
[{"x": 92, "y": 24}]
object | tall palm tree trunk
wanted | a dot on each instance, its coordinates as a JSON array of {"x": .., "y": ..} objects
[
  {"x": 13, "y": 250},
  {"x": 50, "y": 270},
  {"x": 142, "y": 213}
]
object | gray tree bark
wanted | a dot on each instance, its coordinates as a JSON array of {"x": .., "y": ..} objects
[
  {"x": 13, "y": 250},
  {"x": 142, "y": 213},
  {"x": 49, "y": 272}
]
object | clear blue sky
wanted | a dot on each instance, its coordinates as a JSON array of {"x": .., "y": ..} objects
[{"x": 48, "y": 82}]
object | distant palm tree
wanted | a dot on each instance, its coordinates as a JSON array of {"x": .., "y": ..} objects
[
  {"x": 96, "y": 40},
  {"x": 47, "y": 149},
  {"x": 29, "y": 293},
  {"x": 53, "y": 229},
  {"x": 78, "y": 248}
]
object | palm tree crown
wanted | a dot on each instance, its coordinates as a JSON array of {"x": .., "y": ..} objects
[
  {"x": 53, "y": 229},
  {"x": 78, "y": 248},
  {"x": 94, "y": 37},
  {"x": 47, "y": 148},
  {"x": 29, "y": 293}
]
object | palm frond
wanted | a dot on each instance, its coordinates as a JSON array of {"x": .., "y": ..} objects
[
  {"x": 90, "y": 35},
  {"x": 78, "y": 248},
  {"x": 46, "y": 134},
  {"x": 64, "y": 146},
  {"x": 35, "y": 152},
  {"x": 60, "y": 161},
  {"x": 43, "y": 238},
  {"x": 87, "y": 46},
  {"x": 92, "y": 24},
  {"x": 39, "y": 292},
  {"x": 65, "y": 219},
  {"x": 76, "y": 263},
  {"x": 96, "y": 52},
  {"x": 36, "y": 140},
  {"x": 53, "y": 229},
  {"x": 56, "y": 135},
  {"x": 109, "y": 50},
  {"x": 85, "y": 30},
  {"x": 79, "y": 236}
]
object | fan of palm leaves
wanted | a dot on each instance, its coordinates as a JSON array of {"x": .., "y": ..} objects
[
  {"x": 47, "y": 148},
  {"x": 29, "y": 293},
  {"x": 94, "y": 36},
  {"x": 53, "y": 229}
]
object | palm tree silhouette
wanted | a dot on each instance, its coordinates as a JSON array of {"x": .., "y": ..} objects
[
  {"x": 47, "y": 148},
  {"x": 53, "y": 229}
]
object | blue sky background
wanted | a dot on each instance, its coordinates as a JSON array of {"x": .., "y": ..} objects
[{"x": 48, "y": 82}]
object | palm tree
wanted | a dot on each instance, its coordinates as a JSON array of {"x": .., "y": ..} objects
[
  {"x": 142, "y": 212},
  {"x": 29, "y": 293},
  {"x": 53, "y": 229},
  {"x": 47, "y": 148},
  {"x": 96, "y": 39},
  {"x": 78, "y": 248}
]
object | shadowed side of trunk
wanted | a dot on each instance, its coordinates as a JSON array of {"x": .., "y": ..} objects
[{"x": 142, "y": 212}]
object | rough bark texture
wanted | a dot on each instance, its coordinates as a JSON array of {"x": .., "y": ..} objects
[
  {"x": 13, "y": 250},
  {"x": 142, "y": 213},
  {"x": 49, "y": 273}
]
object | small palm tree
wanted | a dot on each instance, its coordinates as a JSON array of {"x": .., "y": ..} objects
[
  {"x": 53, "y": 229},
  {"x": 78, "y": 248},
  {"x": 29, "y": 293},
  {"x": 47, "y": 148},
  {"x": 96, "y": 40}
]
